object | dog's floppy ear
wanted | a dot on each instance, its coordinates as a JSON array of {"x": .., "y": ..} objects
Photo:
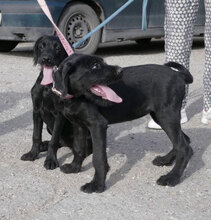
[
  {"x": 35, "y": 50},
  {"x": 67, "y": 69},
  {"x": 65, "y": 78}
]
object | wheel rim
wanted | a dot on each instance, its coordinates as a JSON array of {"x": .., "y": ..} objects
[{"x": 77, "y": 27}]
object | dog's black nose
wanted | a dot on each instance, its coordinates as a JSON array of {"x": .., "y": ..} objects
[{"x": 46, "y": 59}]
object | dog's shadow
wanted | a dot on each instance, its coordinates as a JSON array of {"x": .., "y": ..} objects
[
  {"x": 10, "y": 102},
  {"x": 158, "y": 143},
  {"x": 10, "y": 99},
  {"x": 126, "y": 140}
]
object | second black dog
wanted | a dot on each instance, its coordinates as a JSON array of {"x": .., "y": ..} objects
[
  {"x": 49, "y": 53},
  {"x": 157, "y": 90}
]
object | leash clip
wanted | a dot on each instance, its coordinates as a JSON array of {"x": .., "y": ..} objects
[{"x": 55, "y": 68}]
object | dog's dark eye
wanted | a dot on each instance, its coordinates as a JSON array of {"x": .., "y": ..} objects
[
  {"x": 96, "y": 66},
  {"x": 57, "y": 47},
  {"x": 42, "y": 46}
]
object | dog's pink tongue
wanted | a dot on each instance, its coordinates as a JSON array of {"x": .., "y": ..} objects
[
  {"x": 107, "y": 93},
  {"x": 47, "y": 75}
]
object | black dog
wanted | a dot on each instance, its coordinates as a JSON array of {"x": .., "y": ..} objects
[
  {"x": 157, "y": 90},
  {"x": 49, "y": 53}
]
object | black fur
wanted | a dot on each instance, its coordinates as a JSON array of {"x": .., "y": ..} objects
[
  {"x": 46, "y": 108},
  {"x": 157, "y": 90}
]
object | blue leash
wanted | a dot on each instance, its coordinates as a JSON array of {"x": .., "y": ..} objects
[
  {"x": 144, "y": 23},
  {"x": 144, "y": 15}
]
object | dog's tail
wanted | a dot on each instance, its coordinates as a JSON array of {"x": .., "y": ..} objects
[{"x": 187, "y": 75}]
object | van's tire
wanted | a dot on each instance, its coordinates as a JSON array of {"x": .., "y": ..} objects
[
  {"x": 76, "y": 21},
  {"x": 7, "y": 45},
  {"x": 143, "y": 41}
]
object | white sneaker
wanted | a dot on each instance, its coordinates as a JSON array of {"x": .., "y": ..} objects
[
  {"x": 153, "y": 125},
  {"x": 206, "y": 117},
  {"x": 184, "y": 117}
]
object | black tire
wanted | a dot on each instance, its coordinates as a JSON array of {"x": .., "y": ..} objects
[
  {"x": 7, "y": 46},
  {"x": 77, "y": 20},
  {"x": 143, "y": 41}
]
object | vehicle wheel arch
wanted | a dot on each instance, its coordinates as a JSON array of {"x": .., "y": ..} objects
[
  {"x": 78, "y": 27},
  {"x": 93, "y": 4}
]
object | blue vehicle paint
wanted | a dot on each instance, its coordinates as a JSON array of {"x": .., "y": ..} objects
[{"x": 23, "y": 20}]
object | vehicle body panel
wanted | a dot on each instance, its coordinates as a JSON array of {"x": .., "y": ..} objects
[{"x": 23, "y": 20}]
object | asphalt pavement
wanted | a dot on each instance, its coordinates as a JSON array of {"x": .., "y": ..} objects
[{"x": 28, "y": 191}]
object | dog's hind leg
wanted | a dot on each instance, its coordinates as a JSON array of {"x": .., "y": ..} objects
[
  {"x": 79, "y": 150},
  {"x": 186, "y": 137},
  {"x": 166, "y": 160},
  {"x": 169, "y": 158},
  {"x": 171, "y": 125}
]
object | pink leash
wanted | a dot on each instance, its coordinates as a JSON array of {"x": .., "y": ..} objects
[
  {"x": 63, "y": 40},
  {"x": 69, "y": 51}
]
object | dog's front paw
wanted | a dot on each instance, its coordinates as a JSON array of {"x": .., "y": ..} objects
[
  {"x": 51, "y": 164},
  {"x": 71, "y": 168},
  {"x": 163, "y": 161},
  {"x": 168, "y": 180},
  {"x": 30, "y": 156},
  {"x": 93, "y": 187}
]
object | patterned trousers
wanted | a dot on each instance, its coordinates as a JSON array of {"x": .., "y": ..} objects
[{"x": 179, "y": 24}]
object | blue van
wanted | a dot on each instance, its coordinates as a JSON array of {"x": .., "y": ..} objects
[{"x": 23, "y": 21}]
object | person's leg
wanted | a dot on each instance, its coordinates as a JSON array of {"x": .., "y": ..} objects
[
  {"x": 206, "y": 116},
  {"x": 180, "y": 17},
  {"x": 179, "y": 24}
]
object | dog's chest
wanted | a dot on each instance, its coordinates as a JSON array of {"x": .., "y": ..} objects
[{"x": 48, "y": 100}]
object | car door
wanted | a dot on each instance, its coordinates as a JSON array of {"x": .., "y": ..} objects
[
  {"x": 155, "y": 13},
  {"x": 128, "y": 18}
]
